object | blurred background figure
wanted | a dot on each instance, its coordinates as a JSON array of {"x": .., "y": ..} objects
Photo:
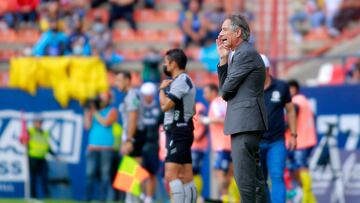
[
  {"x": 332, "y": 8},
  {"x": 122, "y": 9},
  {"x": 214, "y": 19},
  {"x": 220, "y": 144},
  {"x": 193, "y": 24},
  {"x": 355, "y": 74},
  {"x": 152, "y": 117},
  {"x": 79, "y": 40},
  {"x": 27, "y": 11},
  {"x": 100, "y": 35},
  {"x": 306, "y": 140},
  {"x": 199, "y": 147},
  {"x": 110, "y": 57},
  {"x": 273, "y": 150},
  {"x": 52, "y": 42},
  {"x": 38, "y": 148},
  {"x": 151, "y": 64},
  {"x": 99, "y": 118},
  {"x": 308, "y": 15},
  {"x": 48, "y": 11},
  {"x": 134, "y": 137}
]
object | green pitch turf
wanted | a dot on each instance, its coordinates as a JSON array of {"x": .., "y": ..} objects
[
  {"x": 43, "y": 201},
  {"x": 35, "y": 201}
]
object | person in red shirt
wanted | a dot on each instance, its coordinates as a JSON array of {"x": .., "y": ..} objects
[{"x": 27, "y": 10}]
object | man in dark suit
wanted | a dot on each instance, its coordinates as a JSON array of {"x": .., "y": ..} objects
[{"x": 241, "y": 75}]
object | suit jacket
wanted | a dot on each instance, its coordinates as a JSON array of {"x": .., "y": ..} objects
[{"x": 242, "y": 86}]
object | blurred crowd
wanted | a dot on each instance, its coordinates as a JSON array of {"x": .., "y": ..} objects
[
  {"x": 333, "y": 15},
  {"x": 79, "y": 28},
  {"x": 65, "y": 31},
  {"x": 88, "y": 27},
  {"x": 353, "y": 75}
]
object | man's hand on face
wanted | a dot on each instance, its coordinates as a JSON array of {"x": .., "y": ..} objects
[{"x": 222, "y": 50}]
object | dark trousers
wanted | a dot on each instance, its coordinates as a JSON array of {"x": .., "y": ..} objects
[
  {"x": 38, "y": 172},
  {"x": 98, "y": 164},
  {"x": 247, "y": 172},
  {"x": 125, "y": 12}
]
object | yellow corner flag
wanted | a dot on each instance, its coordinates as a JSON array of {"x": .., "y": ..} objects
[{"x": 130, "y": 175}]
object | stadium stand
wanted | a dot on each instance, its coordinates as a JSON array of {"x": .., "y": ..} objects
[{"x": 158, "y": 28}]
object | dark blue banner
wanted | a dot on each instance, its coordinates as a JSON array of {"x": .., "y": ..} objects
[
  {"x": 335, "y": 162},
  {"x": 68, "y": 141}
]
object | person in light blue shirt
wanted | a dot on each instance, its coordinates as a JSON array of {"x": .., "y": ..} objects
[
  {"x": 52, "y": 42},
  {"x": 99, "y": 119},
  {"x": 209, "y": 57},
  {"x": 110, "y": 57},
  {"x": 79, "y": 40}
]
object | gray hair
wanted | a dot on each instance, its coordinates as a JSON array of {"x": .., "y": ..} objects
[{"x": 240, "y": 22}]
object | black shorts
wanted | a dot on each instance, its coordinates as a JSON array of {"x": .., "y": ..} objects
[
  {"x": 140, "y": 139},
  {"x": 151, "y": 160},
  {"x": 178, "y": 144}
]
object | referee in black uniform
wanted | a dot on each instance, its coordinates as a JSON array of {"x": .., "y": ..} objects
[{"x": 177, "y": 100}]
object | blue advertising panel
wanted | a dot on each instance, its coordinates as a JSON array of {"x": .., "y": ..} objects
[
  {"x": 337, "y": 111},
  {"x": 68, "y": 141},
  {"x": 67, "y": 177},
  {"x": 334, "y": 106}
]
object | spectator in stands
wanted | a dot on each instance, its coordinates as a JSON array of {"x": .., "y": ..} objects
[
  {"x": 355, "y": 74},
  {"x": 149, "y": 4},
  {"x": 79, "y": 41},
  {"x": 48, "y": 11},
  {"x": 7, "y": 10},
  {"x": 331, "y": 10},
  {"x": 349, "y": 12},
  {"x": 78, "y": 7},
  {"x": 110, "y": 57},
  {"x": 151, "y": 63},
  {"x": 193, "y": 24},
  {"x": 27, "y": 10},
  {"x": 99, "y": 118},
  {"x": 214, "y": 19},
  {"x": 52, "y": 42},
  {"x": 307, "y": 13},
  {"x": 209, "y": 56},
  {"x": 185, "y": 4},
  {"x": 122, "y": 9},
  {"x": 100, "y": 36},
  {"x": 71, "y": 13},
  {"x": 7, "y": 21}
]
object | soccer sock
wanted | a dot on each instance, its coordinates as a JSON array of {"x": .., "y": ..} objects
[
  {"x": 234, "y": 191},
  {"x": 225, "y": 198},
  {"x": 308, "y": 196},
  {"x": 198, "y": 183},
  {"x": 190, "y": 192},
  {"x": 148, "y": 199},
  {"x": 177, "y": 191}
]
